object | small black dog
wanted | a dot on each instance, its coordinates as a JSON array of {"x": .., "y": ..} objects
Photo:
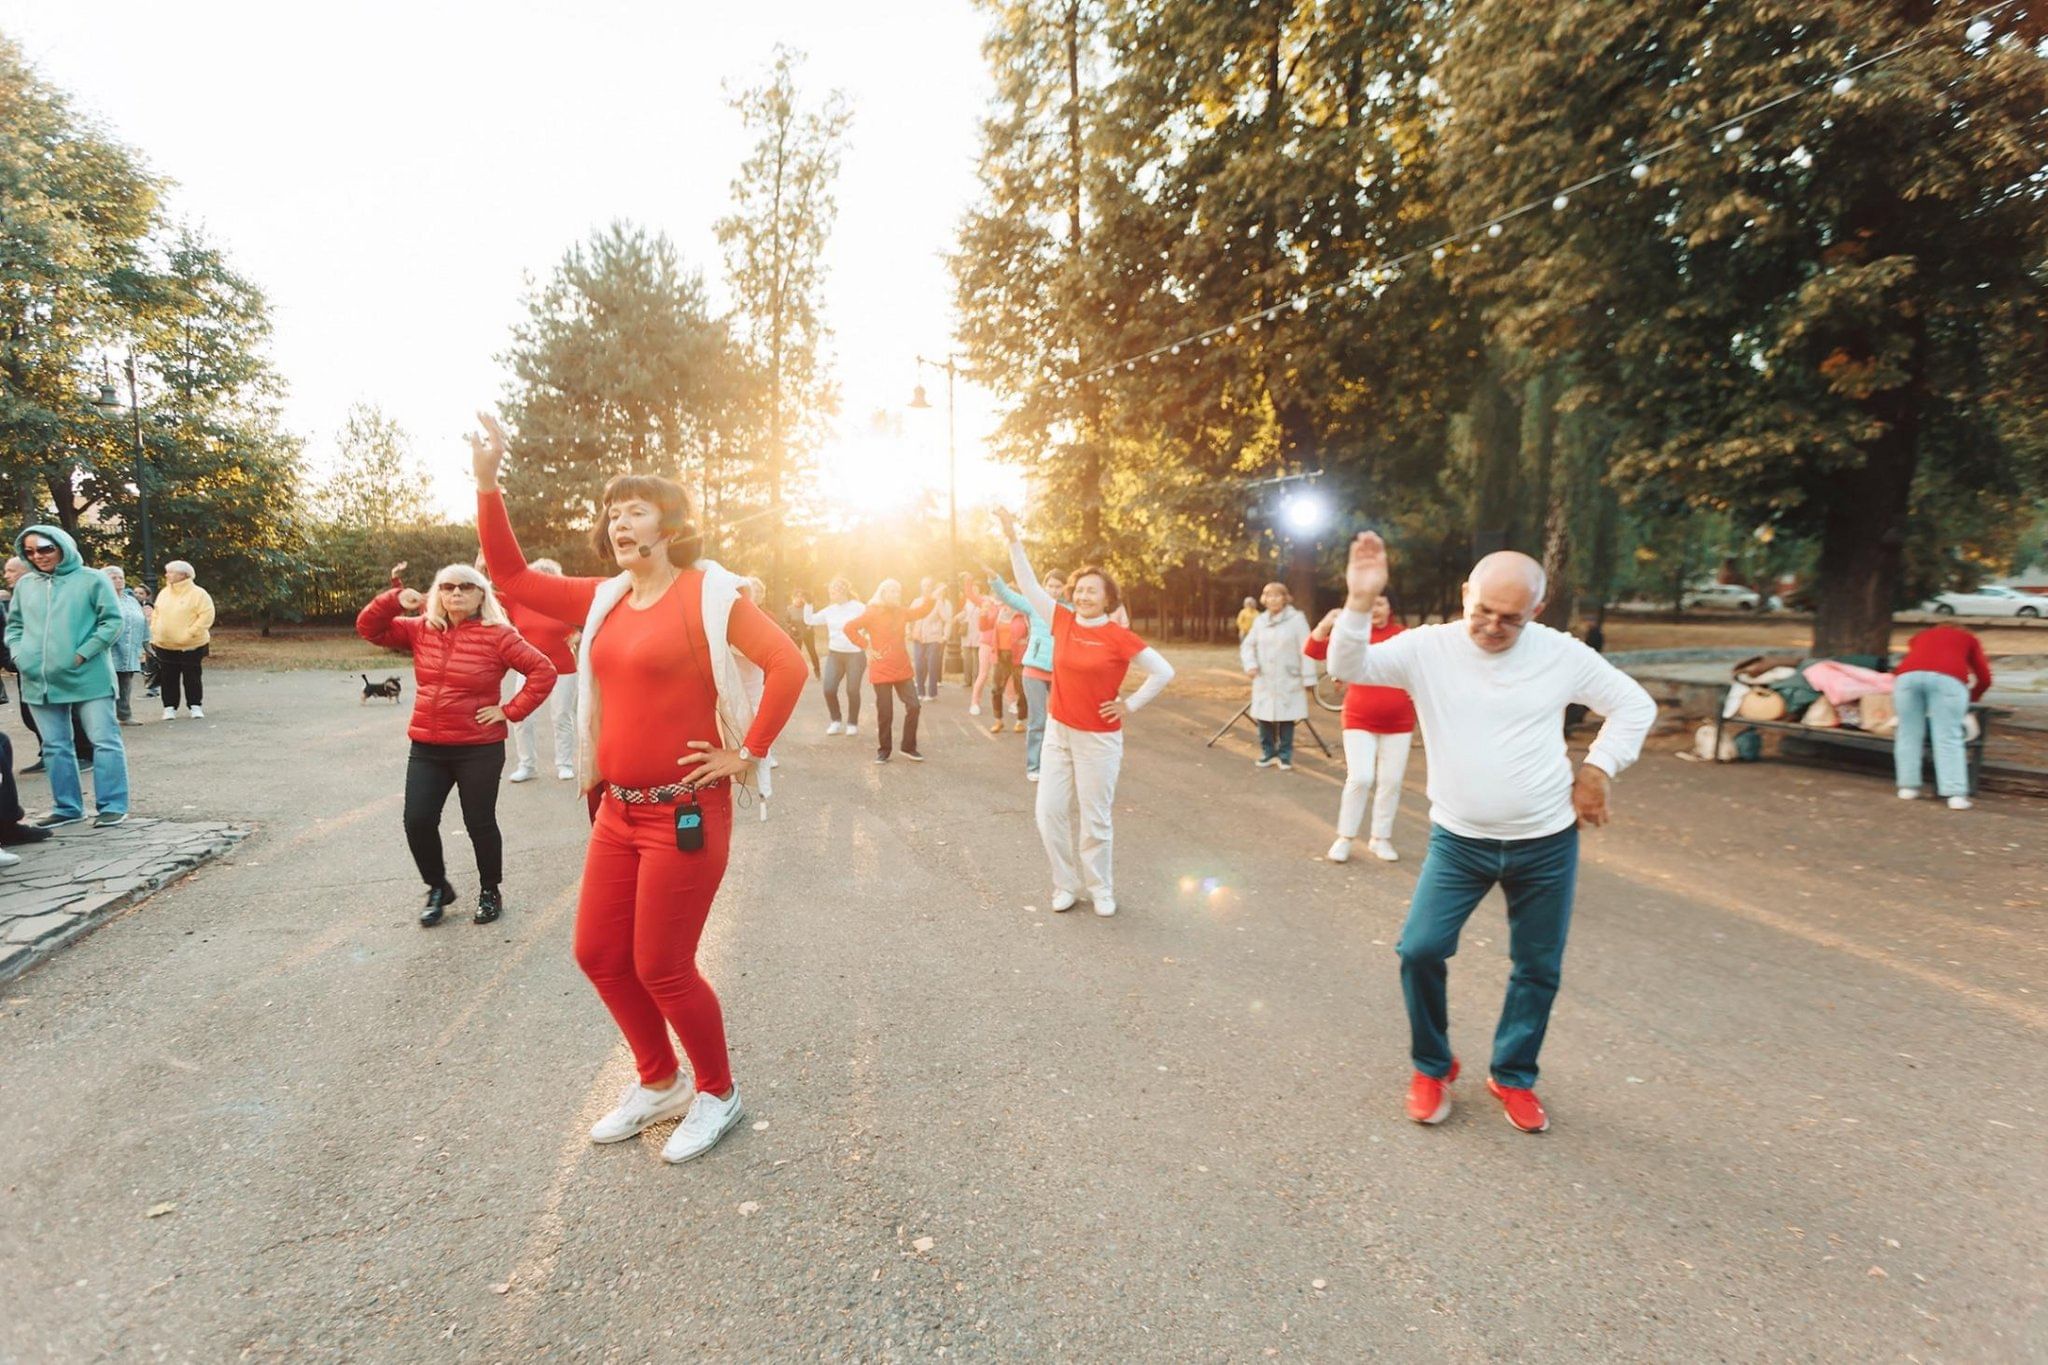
[{"x": 388, "y": 690}]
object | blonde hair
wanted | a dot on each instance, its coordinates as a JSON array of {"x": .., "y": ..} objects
[
  {"x": 882, "y": 590},
  {"x": 491, "y": 612},
  {"x": 754, "y": 590}
]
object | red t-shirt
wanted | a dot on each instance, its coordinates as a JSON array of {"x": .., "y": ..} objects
[
  {"x": 543, "y": 632},
  {"x": 1380, "y": 710},
  {"x": 1951, "y": 650},
  {"x": 1088, "y": 668}
]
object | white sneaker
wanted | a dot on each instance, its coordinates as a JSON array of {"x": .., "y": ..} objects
[
  {"x": 522, "y": 773},
  {"x": 1105, "y": 906},
  {"x": 1031, "y": 777},
  {"x": 565, "y": 773},
  {"x": 1063, "y": 901},
  {"x": 710, "y": 1118},
  {"x": 852, "y": 728},
  {"x": 8, "y": 859},
  {"x": 1285, "y": 766},
  {"x": 639, "y": 1107},
  {"x": 1265, "y": 762},
  {"x": 198, "y": 713},
  {"x": 974, "y": 708},
  {"x": 1383, "y": 850},
  {"x": 834, "y": 728},
  {"x": 1959, "y": 803},
  {"x": 1340, "y": 851},
  {"x": 1909, "y": 793},
  {"x": 170, "y": 713}
]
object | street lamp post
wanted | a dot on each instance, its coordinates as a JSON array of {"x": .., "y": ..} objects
[
  {"x": 109, "y": 402},
  {"x": 918, "y": 401}
]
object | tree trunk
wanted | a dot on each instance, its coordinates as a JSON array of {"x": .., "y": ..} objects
[{"x": 1863, "y": 533}]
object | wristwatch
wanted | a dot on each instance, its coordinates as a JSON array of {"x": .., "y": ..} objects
[{"x": 749, "y": 755}]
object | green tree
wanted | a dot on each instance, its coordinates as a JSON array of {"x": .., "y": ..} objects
[
  {"x": 617, "y": 366},
  {"x": 783, "y": 210},
  {"x": 378, "y": 482},
  {"x": 1792, "y": 316}
]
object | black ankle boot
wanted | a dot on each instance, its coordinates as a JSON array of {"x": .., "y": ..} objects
[
  {"x": 489, "y": 905},
  {"x": 439, "y": 898}
]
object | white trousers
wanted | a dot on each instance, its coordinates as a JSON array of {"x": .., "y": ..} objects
[
  {"x": 1078, "y": 766},
  {"x": 562, "y": 706},
  {"x": 1373, "y": 768}
]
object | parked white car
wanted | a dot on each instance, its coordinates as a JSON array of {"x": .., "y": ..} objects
[
  {"x": 1989, "y": 600},
  {"x": 1728, "y": 596}
]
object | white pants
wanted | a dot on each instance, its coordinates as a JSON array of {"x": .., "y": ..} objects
[
  {"x": 526, "y": 734},
  {"x": 1373, "y": 767},
  {"x": 1079, "y": 764}
]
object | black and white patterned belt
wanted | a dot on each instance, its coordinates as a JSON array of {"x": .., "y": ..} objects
[{"x": 657, "y": 796}]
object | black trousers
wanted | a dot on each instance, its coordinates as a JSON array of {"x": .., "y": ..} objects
[
  {"x": 430, "y": 774},
  {"x": 177, "y": 672},
  {"x": 885, "y": 715},
  {"x": 11, "y": 812}
]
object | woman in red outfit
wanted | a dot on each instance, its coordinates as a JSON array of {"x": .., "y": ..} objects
[
  {"x": 879, "y": 631},
  {"x": 665, "y": 730},
  {"x": 1379, "y": 727},
  {"x": 462, "y": 647}
]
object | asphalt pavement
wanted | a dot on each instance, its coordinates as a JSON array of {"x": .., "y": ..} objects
[{"x": 1795, "y": 1076}]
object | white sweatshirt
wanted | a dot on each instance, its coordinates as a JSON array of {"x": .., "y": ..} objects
[
  {"x": 834, "y": 619},
  {"x": 1494, "y": 723}
]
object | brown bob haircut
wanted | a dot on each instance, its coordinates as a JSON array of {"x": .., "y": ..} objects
[
  {"x": 1112, "y": 595},
  {"x": 678, "y": 520}
]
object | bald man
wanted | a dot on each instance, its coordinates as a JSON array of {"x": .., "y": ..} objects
[{"x": 1505, "y": 805}]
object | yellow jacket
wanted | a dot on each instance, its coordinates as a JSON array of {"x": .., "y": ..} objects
[{"x": 184, "y": 617}]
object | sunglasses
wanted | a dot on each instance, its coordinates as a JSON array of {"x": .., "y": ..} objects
[
  {"x": 44, "y": 550},
  {"x": 457, "y": 587}
]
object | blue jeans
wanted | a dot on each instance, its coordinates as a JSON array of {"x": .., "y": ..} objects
[
  {"x": 1276, "y": 740},
  {"x": 109, "y": 761},
  {"x": 931, "y": 657},
  {"x": 1931, "y": 705},
  {"x": 1037, "y": 692},
  {"x": 1538, "y": 876},
  {"x": 852, "y": 668}
]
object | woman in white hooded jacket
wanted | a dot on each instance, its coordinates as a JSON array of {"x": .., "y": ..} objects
[{"x": 1271, "y": 653}]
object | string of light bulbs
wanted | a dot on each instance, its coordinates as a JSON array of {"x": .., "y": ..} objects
[{"x": 1728, "y": 130}]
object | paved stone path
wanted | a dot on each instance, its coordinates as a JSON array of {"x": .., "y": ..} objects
[{"x": 66, "y": 885}]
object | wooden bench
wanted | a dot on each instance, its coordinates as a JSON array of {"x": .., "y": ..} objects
[{"x": 1973, "y": 749}]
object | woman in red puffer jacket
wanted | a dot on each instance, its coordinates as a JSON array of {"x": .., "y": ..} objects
[{"x": 462, "y": 647}]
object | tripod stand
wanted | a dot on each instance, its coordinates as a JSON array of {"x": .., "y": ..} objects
[{"x": 1242, "y": 711}]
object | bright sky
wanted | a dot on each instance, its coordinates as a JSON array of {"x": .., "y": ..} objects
[{"x": 392, "y": 171}]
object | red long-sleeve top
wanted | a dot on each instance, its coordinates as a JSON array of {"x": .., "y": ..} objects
[
  {"x": 880, "y": 628},
  {"x": 1951, "y": 650},
  {"x": 543, "y": 632},
  {"x": 458, "y": 671},
  {"x": 652, "y": 667}
]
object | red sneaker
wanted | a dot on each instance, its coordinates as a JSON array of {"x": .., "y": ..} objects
[
  {"x": 1523, "y": 1109},
  {"x": 1429, "y": 1097}
]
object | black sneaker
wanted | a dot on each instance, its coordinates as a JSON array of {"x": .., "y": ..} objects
[
  {"x": 36, "y": 767},
  {"x": 110, "y": 818},
  {"x": 913, "y": 755},
  {"x": 22, "y": 834},
  {"x": 59, "y": 821},
  {"x": 881, "y": 758},
  {"x": 439, "y": 898},
  {"x": 489, "y": 905}
]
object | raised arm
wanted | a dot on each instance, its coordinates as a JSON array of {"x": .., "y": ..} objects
[
  {"x": 565, "y": 599},
  {"x": 381, "y": 625},
  {"x": 1020, "y": 564}
]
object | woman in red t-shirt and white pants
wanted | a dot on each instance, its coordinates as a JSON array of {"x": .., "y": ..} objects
[
  {"x": 1084, "y": 739},
  {"x": 1379, "y": 726},
  {"x": 665, "y": 728}
]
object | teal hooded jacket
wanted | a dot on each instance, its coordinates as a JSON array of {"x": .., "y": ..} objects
[{"x": 59, "y": 619}]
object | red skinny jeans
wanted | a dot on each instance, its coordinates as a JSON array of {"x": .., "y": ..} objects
[{"x": 641, "y": 913}]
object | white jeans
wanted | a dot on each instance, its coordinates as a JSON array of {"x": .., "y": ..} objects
[
  {"x": 526, "y": 734},
  {"x": 1083, "y": 764},
  {"x": 1373, "y": 767}
]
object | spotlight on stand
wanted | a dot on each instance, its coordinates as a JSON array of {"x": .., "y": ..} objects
[{"x": 1304, "y": 514}]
